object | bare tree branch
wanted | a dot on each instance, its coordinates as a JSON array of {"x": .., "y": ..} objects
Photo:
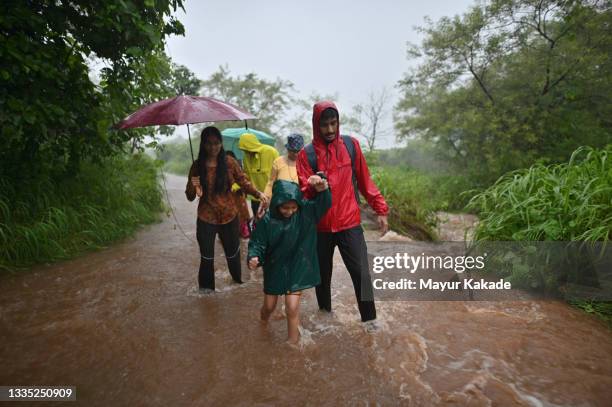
[
  {"x": 478, "y": 79},
  {"x": 367, "y": 118}
]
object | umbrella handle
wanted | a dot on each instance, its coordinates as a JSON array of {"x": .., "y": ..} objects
[
  {"x": 198, "y": 189},
  {"x": 190, "y": 146}
]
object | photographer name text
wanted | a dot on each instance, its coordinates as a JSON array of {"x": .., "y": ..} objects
[{"x": 430, "y": 284}]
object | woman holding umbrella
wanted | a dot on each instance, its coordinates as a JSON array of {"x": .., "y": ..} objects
[{"x": 210, "y": 178}]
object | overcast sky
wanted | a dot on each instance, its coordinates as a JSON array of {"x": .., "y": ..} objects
[{"x": 348, "y": 47}]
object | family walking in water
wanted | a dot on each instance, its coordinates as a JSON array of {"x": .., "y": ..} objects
[{"x": 308, "y": 206}]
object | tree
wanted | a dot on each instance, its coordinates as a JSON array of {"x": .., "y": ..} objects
[
  {"x": 511, "y": 82},
  {"x": 129, "y": 89},
  {"x": 366, "y": 119},
  {"x": 267, "y": 100},
  {"x": 184, "y": 82},
  {"x": 52, "y": 113}
]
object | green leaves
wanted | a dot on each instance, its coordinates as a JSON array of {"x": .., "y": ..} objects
[
  {"x": 184, "y": 82},
  {"x": 54, "y": 113},
  {"x": 267, "y": 100},
  {"x": 565, "y": 202},
  {"x": 511, "y": 82}
]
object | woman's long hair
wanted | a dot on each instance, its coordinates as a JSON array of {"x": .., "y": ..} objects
[{"x": 221, "y": 179}]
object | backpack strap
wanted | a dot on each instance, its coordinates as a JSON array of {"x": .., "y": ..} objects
[
  {"x": 312, "y": 157},
  {"x": 350, "y": 147}
]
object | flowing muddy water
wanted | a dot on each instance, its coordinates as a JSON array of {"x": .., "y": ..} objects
[{"x": 127, "y": 326}]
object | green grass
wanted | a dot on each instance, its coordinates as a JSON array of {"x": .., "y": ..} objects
[
  {"x": 53, "y": 219},
  {"x": 564, "y": 202},
  {"x": 410, "y": 213},
  {"x": 414, "y": 196}
]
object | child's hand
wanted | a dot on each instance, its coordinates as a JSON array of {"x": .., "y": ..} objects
[
  {"x": 263, "y": 206},
  {"x": 253, "y": 263},
  {"x": 260, "y": 212}
]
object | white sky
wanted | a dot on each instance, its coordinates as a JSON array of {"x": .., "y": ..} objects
[{"x": 336, "y": 46}]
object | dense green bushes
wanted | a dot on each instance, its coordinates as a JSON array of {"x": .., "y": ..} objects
[
  {"x": 55, "y": 219},
  {"x": 70, "y": 71},
  {"x": 564, "y": 202}
]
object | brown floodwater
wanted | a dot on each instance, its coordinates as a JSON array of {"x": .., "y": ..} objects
[{"x": 127, "y": 326}]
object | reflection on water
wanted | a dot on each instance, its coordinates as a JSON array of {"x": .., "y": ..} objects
[{"x": 127, "y": 326}]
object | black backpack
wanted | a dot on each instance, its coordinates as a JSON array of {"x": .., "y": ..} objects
[{"x": 350, "y": 147}]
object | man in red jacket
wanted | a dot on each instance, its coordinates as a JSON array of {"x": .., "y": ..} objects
[{"x": 341, "y": 225}]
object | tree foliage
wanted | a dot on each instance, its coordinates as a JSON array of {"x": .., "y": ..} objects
[
  {"x": 184, "y": 82},
  {"x": 54, "y": 108},
  {"x": 511, "y": 82},
  {"x": 268, "y": 100},
  {"x": 563, "y": 202}
]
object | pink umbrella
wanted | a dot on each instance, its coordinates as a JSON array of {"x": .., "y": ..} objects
[{"x": 184, "y": 110}]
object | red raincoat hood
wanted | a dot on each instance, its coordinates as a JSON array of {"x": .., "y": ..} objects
[{"x": 317, "y": 109}]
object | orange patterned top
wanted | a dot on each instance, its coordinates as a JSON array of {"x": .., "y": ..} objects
[{"x": 219, "y": 209}]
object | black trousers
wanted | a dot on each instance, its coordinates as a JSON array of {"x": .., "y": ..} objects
[
  {"x": 230, "y": 239},
  {"x": 255, "y": 208},
  {"x": 354, "y": 253}
]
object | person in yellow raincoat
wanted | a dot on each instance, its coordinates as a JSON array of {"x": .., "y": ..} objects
[{"x": 257, "y": 164}]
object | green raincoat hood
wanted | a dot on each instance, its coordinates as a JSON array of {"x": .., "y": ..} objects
[{"x": 282, "y": 192}]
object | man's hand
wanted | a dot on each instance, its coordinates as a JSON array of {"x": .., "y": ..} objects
[
  {"x": 253, "y": 263},
  {"x": 319, "y": 184},
  {"x": 382, "y": 224}
]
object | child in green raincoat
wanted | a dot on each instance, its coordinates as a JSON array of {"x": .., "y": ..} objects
[{"x": 285, "y": 244}]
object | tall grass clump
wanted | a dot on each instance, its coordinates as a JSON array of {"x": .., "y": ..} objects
[
  {"x": 46, "y": 219},
  {"x": 563, "y": 202},
  {"x": 406, "y": 192},
  {"x": 414, "y": 196}
]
